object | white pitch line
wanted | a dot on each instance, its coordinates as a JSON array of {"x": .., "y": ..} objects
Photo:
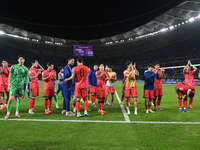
[
  {"x": 99, "y": 121},
  {"x": 158, "y": 122},
  {"x": 122, "y": 107},
  {"x": 52, "y": 120}
]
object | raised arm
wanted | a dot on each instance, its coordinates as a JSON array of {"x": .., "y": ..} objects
[
  {"x": 129, "y": 74},
  {"x": 195, "y": 68},
  {"x": 184, "y": 69},
  {"x": 41, "y": 68}
]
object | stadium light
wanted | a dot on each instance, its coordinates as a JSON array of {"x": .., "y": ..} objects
[
  {"x": 191, "y": 19},
  {"x": 2, "y": 33},
  {"x": 171, "y": 27},
  {"x": 164, "y": 29},
  {"x": 130, "y": 39}
]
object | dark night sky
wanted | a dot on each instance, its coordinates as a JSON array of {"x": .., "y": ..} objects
[{"x": 80, "y": 13}]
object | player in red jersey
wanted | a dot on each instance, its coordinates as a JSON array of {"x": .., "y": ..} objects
[
  {"x": 4, "y": 74},
  {"x": 158, "y": 93},
  {"x": 101, "y": 87},
  {"x": 34, "y": 85},
  {"x": 48, "y": 77},
  {"x": 185, "y": 89},
  {"x": 80, "y": 73},
  {"x": 189, "y": 78},
  {"x": 130, "y": 85}
]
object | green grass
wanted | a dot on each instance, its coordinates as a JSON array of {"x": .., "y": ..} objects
[{"x": 70, "y": 135}]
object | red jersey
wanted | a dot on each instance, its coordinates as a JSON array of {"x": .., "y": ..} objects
[
  {"x": 102, "y": 81},
  {"x": 81, "y": 74},
  {"x": 183, "y": 87},
  {"x": 158, "y": 82},
  {"x": 189, "y": 77},
  {"x": 4, "y": 76},
  {"x": 49, "y": 82},
  {"x": 33, "y": 72}
]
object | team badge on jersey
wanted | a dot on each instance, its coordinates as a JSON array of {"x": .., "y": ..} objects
[
  {"x": 29, "y": 71},
  {"x": 23, "y": 70}
]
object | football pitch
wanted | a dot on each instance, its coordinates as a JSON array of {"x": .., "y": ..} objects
[{"x": 167, "y": 129}]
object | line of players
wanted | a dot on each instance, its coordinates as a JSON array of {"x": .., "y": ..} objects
[{"x": 85, "y": 80}]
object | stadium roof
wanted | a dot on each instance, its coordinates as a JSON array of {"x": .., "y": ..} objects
[
  {"x": 124, "y": 45},
  {"x": 93, "y": 22}
]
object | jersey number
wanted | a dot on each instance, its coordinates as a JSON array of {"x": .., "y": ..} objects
[{"x": 82, "y": 72}]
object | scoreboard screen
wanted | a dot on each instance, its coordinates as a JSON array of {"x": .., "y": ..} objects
[{"x": 83, "y": 50}]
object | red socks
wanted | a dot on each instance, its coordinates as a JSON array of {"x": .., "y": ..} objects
[
  {"x": 179, "y": 103},
  {"x": 154, "y": 102},
  {"x": 49, "y": 103},
  {"x": 85, "y": 105},
  {"x": 45, "y": 104},
  {"x": 93, "y": 99},
  {"x": 100, "y": 103},
  {"x": 74, "y": 104},
  {"x": 88, "y": 96},
  {"x": 191, "y": 100},
  {"x": 122, "y": 98},
  {"x": 78, "y": 107},
  {"x": 149, "y": 106},
  {"x": 112, "y": 102},
  {"x": 185, "y": 103},
  {"x": 31, "y": 103},
  {"x": 158, "y": 102}
]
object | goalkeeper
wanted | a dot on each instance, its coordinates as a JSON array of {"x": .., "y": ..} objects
[{"x": 18, "y": 73}]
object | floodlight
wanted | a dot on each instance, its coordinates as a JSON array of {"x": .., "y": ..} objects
[
  {"x": 1, "y": 32},
  {"x": 171, "y": 27},
  {"x": 191, "y": 19}
]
